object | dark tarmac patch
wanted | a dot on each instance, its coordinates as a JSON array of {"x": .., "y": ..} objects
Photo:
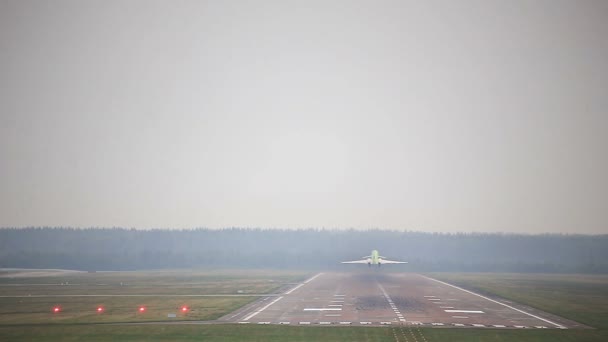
[
  {"x": 371, "y": 303},
  {"x": 410, "y": 304}
]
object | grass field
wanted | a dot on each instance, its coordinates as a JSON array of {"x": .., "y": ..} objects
[
  {"x": 579, "y": 297},
  {"x": 231, "y": 332},
  {"x": 121, "y": 294}
]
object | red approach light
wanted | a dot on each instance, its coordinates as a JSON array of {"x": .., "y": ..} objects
[
  {"x": 100, "y": 309},
  {"x": 142, "y": 309},
  {"x": 184, "y": 308},
  {"x": 56, "y": 309}
]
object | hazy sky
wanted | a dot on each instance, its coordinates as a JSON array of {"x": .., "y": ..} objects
[{"x": 420, "y": 115}]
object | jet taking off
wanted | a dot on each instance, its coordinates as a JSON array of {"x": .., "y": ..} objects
[{"x": 374, "y": 259}]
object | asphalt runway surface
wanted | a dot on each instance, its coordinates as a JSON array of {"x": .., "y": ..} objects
[{"x": 374, "y": 297}]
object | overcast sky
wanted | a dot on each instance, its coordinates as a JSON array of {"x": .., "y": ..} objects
[{"x": 421, "y": 115}]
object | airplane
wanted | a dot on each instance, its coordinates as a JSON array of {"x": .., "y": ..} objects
[{"x": 374, "y": 259}]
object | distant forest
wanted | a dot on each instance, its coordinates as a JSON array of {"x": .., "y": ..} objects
[{"x": 130, "y": 249}]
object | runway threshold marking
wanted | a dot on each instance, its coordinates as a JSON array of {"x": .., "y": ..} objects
[
  {"x": 497, "y": 302},
  {"x": 262, "y": 309}
]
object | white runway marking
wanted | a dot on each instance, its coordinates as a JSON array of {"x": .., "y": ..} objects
[
  {"x": 304, "y": 283},
  {"x": 465, "y": 311},
  {"x": 446, "y": 307},
  {"x": 497, "y": 302},
  {"x": 336, "y": 305},
  {"x": 322, "y": 309},
  {"x": 293, "y": 289},
  {"x": 391, "y": 303},
  {"x": 333, "y": 315},
  {"x": 312, "y": 278},
  {"x": 337, "y": 301},
  {"x": 460, "y": 317},
  {"x": 262, "y": 309},
  {"x": 142, "y": 295}
]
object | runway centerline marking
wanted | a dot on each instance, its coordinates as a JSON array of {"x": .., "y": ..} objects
[
  {"x": 391, "y": 303},
  {"x": 262, "y": 309},
  {"x": 497, "y": 302},
  {"x": 464, "y": 311}
]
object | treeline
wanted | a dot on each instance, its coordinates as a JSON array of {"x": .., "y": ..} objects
[{"x": 130, "y": 249}]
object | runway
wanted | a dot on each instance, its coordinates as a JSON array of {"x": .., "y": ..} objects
[{"x": 374, "y": 297}]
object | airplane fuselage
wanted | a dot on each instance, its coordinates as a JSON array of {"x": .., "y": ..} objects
[{"x": 374, "y": 259}]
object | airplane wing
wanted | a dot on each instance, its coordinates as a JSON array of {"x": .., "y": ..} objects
[
  {"x": 356, "y": 262},
  {"x": 384, "y": 261}
]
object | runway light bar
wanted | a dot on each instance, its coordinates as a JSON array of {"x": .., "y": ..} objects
[
  {"x": 184, "y": 308},
  {"x": 100, "y": 309},
  {"x": 56, "y": 309},
  {"x": 142, "y": 309}
]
